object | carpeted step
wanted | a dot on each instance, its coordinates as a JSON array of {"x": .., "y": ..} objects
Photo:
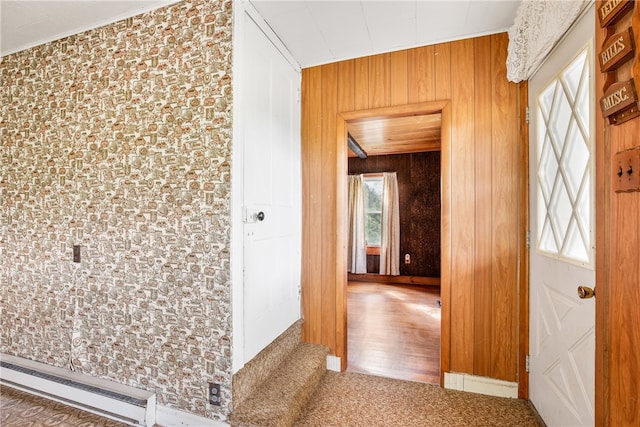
[
  {"x": 280, "y": 398},
  {"x": 256, "y": 371}
]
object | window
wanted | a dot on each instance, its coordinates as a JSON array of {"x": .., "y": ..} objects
[
  {"x": 565, "y": 188},
  {"x": 373, "y": 209}
]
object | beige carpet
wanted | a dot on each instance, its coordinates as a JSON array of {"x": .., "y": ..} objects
[
  {"x": 341, "y": 400},
  {"x": 350, "y": 399}
]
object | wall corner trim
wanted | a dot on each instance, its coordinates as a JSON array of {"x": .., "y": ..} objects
[
  {"x": 333, "y": 363},
  {"x": 480, "y": 385}
]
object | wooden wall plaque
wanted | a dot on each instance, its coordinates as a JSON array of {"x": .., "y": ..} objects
[
  {"x": 612, "y": 10},
  {"x": 620, "y": 102},
  {"x": 616, "y": 50}
]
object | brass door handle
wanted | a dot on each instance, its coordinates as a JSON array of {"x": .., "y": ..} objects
[{"x": 585, "y": 292}]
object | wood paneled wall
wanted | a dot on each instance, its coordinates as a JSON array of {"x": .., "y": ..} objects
[
  {"x": 480, "y": 326},
  {"x": 419, "y": 200},
  {"x": 617, "y": 260}
]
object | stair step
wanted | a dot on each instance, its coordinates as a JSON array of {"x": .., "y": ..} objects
[{"x": 277, "y": 402}]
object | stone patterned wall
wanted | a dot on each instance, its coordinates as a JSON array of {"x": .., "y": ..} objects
[{"x": 119, "y": 140}]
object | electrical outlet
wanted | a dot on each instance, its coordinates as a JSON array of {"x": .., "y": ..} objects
[{"x": 214, "y": 393}]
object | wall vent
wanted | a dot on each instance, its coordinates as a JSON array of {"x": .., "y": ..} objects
[{"x": 99, "y": 396}]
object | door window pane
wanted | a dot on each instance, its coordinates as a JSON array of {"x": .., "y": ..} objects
[{"x": 564, "y": 141}]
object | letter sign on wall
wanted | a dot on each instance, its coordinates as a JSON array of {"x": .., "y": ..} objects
[
  {"x": 612, "y": 10},
  {"x": 616, "y": 102},
  {"x": 620, "y": 100},
  {"x": 617, "y": 50}
]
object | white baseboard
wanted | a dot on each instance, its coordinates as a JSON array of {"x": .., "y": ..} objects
[
  {"x": 170, "y": 417},
  {"x": 333, "y": 363},
  {"x": 481, "y": 385}
]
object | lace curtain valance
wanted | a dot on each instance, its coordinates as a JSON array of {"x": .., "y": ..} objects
[{"x": 539, "y": 24}]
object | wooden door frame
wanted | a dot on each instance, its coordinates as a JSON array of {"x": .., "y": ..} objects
[
  {"x": 523, "y": 299},
  {"x": 603, "y": 244},
  {"x": 444, "y": 108},
  {"x": 603, "y": 265}
]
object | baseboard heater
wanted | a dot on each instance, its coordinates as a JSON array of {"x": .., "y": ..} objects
[{"x": 106, "y": 398}]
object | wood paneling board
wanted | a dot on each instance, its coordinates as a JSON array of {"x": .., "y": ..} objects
[
  {"x": 421, "y": 76},
  {"x": 346, "y": 102},
  {"x": 379, "y": 81},
  {"x": 617, "y": 262},
  {"x": 362, "y": 84},
  {"x": 445, "y": 244},
  {"x": 624, "y": 294},
  {"x": 447, "y": 71},
  {"x": 483, "y": 216},
  {"x": 398, "y": 124},
  {"x": 463, "y": 207},
  {"x": 314, "y": 215},
  {"x": 505, "y": 186},
  {"x": 442, "y": 54},
  {"x": 398, "y": 74},
  {"x": 346, "y": 85},
  {"x": 625, "y": 297},
  {"x": 425, "y": 205},
  {"x": 329, "y": 99},
  {"x": 394, "y": 135},
  {"x": 342, "y": 239},
  {"x": 306, "y": 201},
  {"x": 373, "y": 263}
]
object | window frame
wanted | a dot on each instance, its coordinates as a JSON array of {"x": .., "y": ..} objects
[{"x": 544, "y": 211}]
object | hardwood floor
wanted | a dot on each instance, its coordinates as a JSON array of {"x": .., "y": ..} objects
[{"x": 394, "y": 331}]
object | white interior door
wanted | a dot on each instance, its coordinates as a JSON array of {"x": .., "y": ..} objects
[
  {"x": 272, "y": 192},
  {"x": 562, "y": 326}
]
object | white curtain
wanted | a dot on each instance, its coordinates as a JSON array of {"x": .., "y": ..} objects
[
  {"x": 538, "y": 26},
  {"x": 357, "y": 250},
  {"x": 390, "y": 236}
]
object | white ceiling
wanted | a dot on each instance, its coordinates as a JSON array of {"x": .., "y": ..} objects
[
  {"x": 319, "y": 32},
  {"x": 315, "y": 32},
  {"x": 28, "y": 23}
]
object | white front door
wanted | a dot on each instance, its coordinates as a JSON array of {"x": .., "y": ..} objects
[
  {"x": 272, "y": 192},
  {"x": 562, "y": 175}
]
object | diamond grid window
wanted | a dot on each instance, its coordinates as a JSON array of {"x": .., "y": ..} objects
[{"x": 564, "y": 190}]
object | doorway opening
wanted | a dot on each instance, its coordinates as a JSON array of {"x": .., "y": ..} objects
[{"x": 398, "y": 325}]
